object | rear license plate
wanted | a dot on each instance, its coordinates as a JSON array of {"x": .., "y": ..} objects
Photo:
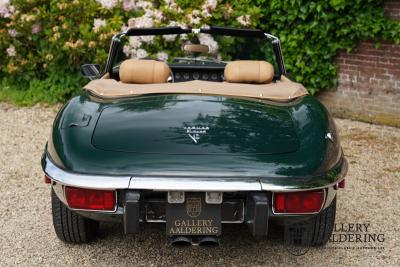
[{"x": 193, "y": 217}]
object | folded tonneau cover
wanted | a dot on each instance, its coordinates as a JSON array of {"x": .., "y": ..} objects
[{"x": 281, "y": 90}]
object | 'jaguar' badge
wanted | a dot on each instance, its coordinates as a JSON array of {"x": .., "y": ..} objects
[
  {"x": 195, "y": 132},
  {"x": 193, "y": 206}
]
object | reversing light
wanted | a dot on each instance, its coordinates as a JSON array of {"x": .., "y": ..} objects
[
  {"x": 176, "y": 197},
  {"x": 90, "y": 199},
  {"x": 298, "y": 202},
  {"x": 214, "y": 197}
]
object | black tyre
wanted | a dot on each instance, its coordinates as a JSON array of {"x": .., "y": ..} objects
[
  {"x": 69, "y": 226},
  {"x": 315, "y": 231}
]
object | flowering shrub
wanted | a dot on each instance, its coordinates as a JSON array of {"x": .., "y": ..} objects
[{"x": 44, "y": 42}]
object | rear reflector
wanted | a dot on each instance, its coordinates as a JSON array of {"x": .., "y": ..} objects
[
  {"x": 90, "y": 199},
  {"x": 342, "y": 184},
  {"x": 47, "y": 179},
  {"x": 298, "y": 202}
]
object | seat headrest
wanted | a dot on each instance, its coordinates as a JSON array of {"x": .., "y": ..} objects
[
  {"x": 143, "y": 71},
  {"x": 249, "y": 71}
]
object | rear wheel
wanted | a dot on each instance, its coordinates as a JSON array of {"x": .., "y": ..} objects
[
  {"x": 324, "y": 223},
  {"x": 315, "y": 231},
  {"x": 69, "y": 226}
]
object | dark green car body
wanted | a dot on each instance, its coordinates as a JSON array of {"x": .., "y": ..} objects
[{"x": 147, "y": 136}]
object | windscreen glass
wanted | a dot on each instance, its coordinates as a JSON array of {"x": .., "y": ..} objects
[{"x": 171, "y": 49}]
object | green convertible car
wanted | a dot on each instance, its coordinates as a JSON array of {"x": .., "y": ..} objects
[{"x": 195, "y": 142}]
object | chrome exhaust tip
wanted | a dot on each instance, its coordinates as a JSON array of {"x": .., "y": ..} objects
[
  {"x": 181, "y": 241},
  {"x": 208, "y": 241}
]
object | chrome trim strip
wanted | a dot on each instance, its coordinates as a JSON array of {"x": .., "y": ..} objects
[
  {"x": 195, "y": 184},
  {"x": 279, "y": 56},
  {"x": 292, "y": 184},
  {"x": 219, "y": 184},
  {"x": 59, "y": 190},
  {"x": 331, "y": 192},
  {"x": 84, "y": 180}
]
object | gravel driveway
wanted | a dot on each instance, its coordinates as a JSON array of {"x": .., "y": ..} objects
[{"x": 27, "y": 237}]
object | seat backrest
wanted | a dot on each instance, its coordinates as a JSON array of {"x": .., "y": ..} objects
[
  {"x": 249, "y": 71},
  {"x": 143, "y": 71}
]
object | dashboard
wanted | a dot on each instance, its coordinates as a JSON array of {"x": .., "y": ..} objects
[{"x": 184, "y": 73}]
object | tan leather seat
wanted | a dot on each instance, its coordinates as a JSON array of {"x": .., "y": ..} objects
[
  {"x": 143, "y": 71},
  {"x": 249, "y": 71}
]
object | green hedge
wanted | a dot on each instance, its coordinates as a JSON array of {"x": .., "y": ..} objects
[{"x": 43, "y": 42}]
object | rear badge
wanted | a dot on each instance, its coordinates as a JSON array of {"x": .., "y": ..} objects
[
  {"x": 195, "y": 132},
  {"x": 193, "y": 206}
]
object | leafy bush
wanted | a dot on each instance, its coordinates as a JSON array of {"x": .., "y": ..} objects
[{"x": 43, "y": 42}]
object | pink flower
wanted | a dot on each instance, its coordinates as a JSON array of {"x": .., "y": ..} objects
[
  {"x": 210, "y": 4},
  {"x": 162, "y": 56},
  {"x": 108, "y": 4},
  {"x": 5, "y": 11},
  {"x": 170, "y": 4},
  {"x": 135, "y": 41},
  {"x": 128, "y": 5},
  {"x": 141, "y": 53},
  {"x": 244, "y": 20},
  {"x": 126, "y": 50},
  {"x": 143, "y": 22},
  {"x": 149, "y": 39},
  {"x": 13, "y": 33},
  {"x": 158, "y": 15},
  {"x": 194, "y": 18},
  {"x": 98, "y": 23},
  {"x": 143, "y": 4},
  {"x": 36, "y": 28},
  {"x": 4, "y": 8},
  {"x": 205, "y": 13},
  {"x": 11, "y": 51}
]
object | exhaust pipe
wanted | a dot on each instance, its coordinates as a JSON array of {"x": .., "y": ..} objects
[
  {"x": 181, "y": 241},
  {"x": 208, "y": 241}
]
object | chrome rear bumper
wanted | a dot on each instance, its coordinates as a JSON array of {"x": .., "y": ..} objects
[
  {"x": 200, "y": 184},
  {"x": 139, "y": 197}
]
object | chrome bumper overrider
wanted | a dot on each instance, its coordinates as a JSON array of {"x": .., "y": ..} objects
[{"x": 274, "y": 184}]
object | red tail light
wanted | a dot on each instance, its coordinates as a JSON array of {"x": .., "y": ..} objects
[
  {"x": 298, "y": 202},
  {"x": 90, "y": 199}
]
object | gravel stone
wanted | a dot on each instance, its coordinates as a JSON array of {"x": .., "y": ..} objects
[{"x": 27, "y": 238}]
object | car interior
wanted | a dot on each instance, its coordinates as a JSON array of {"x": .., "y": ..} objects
[
  {"x": 195, "y": 73},
  {"x": 195, "y": 66}
]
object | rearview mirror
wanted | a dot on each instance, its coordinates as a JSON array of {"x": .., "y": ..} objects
[{"x": 91, "y": 71}]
